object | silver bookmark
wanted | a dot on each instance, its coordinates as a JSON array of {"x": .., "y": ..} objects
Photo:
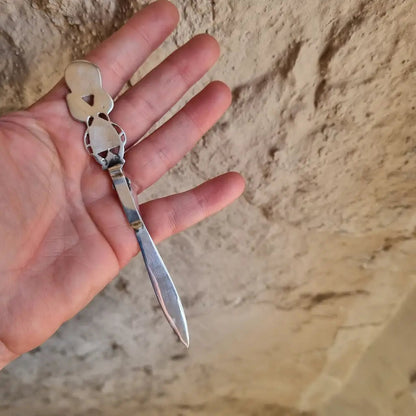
[{"x": 105, "y": 141}]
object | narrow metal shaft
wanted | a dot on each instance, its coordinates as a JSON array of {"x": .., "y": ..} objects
[{"x": 159, "y": 276}]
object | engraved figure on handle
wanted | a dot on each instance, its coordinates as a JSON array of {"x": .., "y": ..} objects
[{"x": 90, "y": 103}]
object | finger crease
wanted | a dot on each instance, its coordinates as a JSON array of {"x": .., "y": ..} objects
[
  {"x": 181, "y": 73},
  {"x": 201, "y": 202},
  {"x": 143, "y": 106},
  {"x": 194, "y": 123},
  {"x": 142, "y": 35},
  {"x": 173, "y": 220},
  {"x": 164, "y": 158}
]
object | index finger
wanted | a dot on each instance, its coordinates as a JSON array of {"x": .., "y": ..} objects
[{"x": 119, "y": 56}]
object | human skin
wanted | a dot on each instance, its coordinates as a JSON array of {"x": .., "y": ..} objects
[{"x": 64, "y": 234}]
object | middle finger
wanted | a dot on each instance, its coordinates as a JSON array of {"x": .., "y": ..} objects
[{"x": 145, "y": 103}]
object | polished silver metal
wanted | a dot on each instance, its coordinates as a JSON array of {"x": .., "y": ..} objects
[{"x": 105, "y": 141}]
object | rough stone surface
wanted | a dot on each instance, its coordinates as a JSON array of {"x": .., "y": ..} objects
[{"x": 301, "y": 296}]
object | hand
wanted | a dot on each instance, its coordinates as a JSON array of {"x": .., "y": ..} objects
[{"x": 64, "y": 234}]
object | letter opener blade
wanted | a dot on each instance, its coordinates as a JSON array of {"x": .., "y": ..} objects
[{"x": 105, "y": 141}]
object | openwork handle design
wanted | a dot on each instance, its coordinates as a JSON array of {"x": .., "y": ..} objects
[{"x": 90, "y": 103}]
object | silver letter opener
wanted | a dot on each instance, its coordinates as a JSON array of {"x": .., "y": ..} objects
[{"x": 105, "y": 141}]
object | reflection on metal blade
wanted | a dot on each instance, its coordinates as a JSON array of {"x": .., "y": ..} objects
[{"x": 163, "y": 286}]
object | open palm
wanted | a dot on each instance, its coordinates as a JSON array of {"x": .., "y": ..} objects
[{"x": 64, "y": 234}]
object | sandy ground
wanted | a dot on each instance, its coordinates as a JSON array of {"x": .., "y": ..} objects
[{"x": 300, "y": 296}]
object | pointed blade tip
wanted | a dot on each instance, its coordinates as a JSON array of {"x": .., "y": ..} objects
[{"x": 184, "y": 338}]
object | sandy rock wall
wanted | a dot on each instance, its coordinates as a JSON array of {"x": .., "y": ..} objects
[{"x": 301, "y": 295}]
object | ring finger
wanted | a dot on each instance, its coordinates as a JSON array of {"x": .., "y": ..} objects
[{"x": 155, "y": 155}]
